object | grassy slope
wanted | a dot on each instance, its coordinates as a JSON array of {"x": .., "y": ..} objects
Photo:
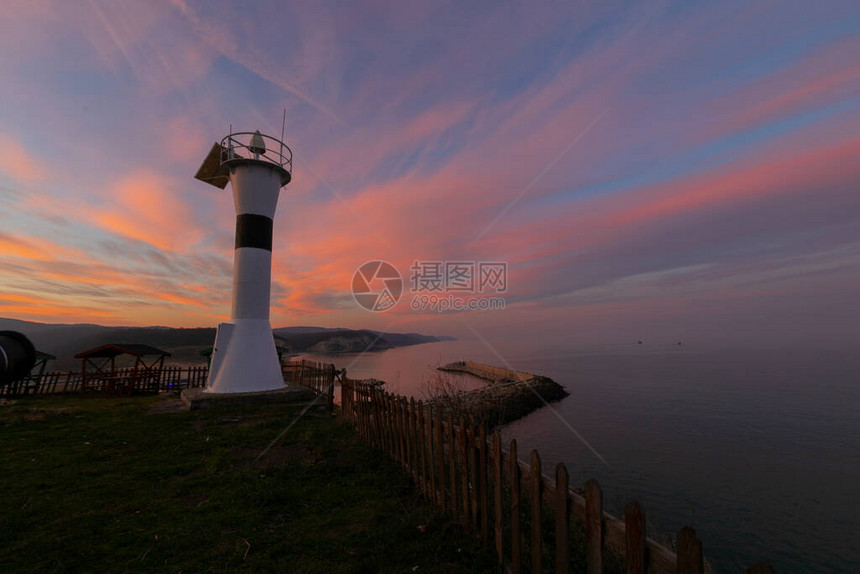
[{"x": 103, "y": 485}]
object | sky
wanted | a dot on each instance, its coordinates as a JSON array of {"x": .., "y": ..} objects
[{"x": 654, "y": 171}]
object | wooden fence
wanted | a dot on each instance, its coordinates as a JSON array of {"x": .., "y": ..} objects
[
  {"x": 535, "y": 522},
  {"x": 319, "y": 377},
  {"x": 70, "y": 382}
]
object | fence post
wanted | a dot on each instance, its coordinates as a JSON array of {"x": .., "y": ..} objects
[
  {"x": 364, "y": 407},
  {"x": 373, "y": 408},
  {"x": 689, "y": 552},
  {"x": 562, "y": 518},
  {"x": 431, "y": 455},
  {"x": 404, "y": 426},
  {"x": 379, "y": 397},
  {"x": 368, "y": 409},
  {"x": 483, "y": 486},
  {"x": 413, "y": 443},
  {"x": 452, "y": 461},
  {"x": 392, "y": 420},
  {"x": 473, "y": 472},
  {"x": 422, "y": 447},
  {"x": 401, "y": 438},
  {"x": 389, "y": 422},
  {"x": 356, "y": 405},
  {"x": 497, "y": 495},
  {"x": 383, "y": 422},
  {"x": 464, "y": 470},
  {"x": 516, "y": 542},
  {"x": 440, "y": 456},
  {"x": 331, "y": 388},
  {"x": 593, "y": 527},
  {"x": 404, "y": 430},
  {"x": 536, "y": 515},
  {"x": 385, "y": 405},
  {"x": 392, "y": 430},
  {"x": 634, "y": 523}
]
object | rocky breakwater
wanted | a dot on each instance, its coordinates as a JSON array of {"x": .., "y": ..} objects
[{"x": 508, "y": 396}]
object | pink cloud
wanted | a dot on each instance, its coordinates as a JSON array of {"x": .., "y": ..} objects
[
  {"x": 591, "y": 226},
  {"x": 827, "y": 76},
  {"x": 354, "y": 156}
]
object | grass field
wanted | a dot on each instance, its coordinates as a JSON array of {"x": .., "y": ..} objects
[{"x": 108, "y": 485}]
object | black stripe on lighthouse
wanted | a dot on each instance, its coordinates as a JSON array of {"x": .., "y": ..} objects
[{"x": 253, "y": 230}]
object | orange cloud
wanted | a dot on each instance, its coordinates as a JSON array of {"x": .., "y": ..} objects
[
  {"x": 181, "y": 299},
  {"x": 19, "y": 163},
  {"x": 7, "y": 297},
  {"x": 10, "y": 246},
  {"x": 37, "y": 249},
  {"x": 145, "y": 209},
  {"x": 42, "y": 308}
]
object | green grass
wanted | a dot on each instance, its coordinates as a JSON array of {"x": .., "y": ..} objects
[{"x": 103, "y": 485}]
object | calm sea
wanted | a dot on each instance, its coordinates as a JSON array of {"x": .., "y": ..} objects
[{"x": 758, "y": 451}]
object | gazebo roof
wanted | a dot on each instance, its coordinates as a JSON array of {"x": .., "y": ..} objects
[
  {"x": 115, "y": 349},
  {"x": 42, "y": 356}
]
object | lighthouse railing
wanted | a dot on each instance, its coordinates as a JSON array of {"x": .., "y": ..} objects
[{"x": 240, "y": 145}]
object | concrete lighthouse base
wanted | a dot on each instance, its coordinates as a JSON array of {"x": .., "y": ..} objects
[
  {"x": 194, "y": 399},
  {"x": 245, "y": 359}
]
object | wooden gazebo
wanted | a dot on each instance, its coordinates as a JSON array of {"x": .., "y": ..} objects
[{"x": 99, "y": 372}]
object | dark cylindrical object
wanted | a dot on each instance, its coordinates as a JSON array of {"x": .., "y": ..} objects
[{"x": 17, "y": 356}]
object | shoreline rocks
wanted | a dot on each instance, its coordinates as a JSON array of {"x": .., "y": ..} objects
[{"x": 510, "y": 395}]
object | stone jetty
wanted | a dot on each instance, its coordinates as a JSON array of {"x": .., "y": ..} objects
[{"x": 508, "y": 396}]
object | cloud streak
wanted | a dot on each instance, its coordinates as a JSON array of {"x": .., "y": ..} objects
[{"x": 628, "y": 162}]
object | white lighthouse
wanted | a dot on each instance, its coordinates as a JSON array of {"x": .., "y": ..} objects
[{"x": 257, "y": 166}]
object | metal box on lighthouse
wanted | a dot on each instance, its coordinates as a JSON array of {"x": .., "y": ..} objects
[{"x": 257, "y": 166}]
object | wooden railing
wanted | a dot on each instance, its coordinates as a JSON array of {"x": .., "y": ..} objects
[
  {"x": 69, "y": 382},
  {"x": 536, "y": 523},
  {"x": 57, "y": 382},
  {"x": 319, "y": 377}
]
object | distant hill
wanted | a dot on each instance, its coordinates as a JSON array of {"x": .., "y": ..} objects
[{"x": 65, "y": 340}]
